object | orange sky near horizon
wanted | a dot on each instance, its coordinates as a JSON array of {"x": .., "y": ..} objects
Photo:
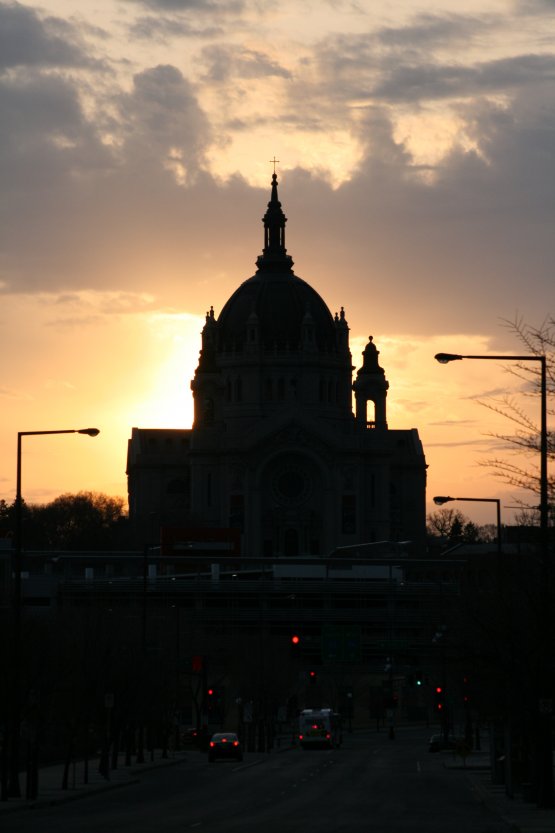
[{"x": 148, "y": 386}]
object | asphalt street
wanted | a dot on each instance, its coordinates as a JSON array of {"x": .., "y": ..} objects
[{"x": 371, "y": 784}]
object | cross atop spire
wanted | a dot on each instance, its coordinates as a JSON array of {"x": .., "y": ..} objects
[{"x": 273, "y": 162}]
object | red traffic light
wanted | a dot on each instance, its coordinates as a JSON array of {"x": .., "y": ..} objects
[
  {"x": 439, "y": 689},
  {"x": 295, "y": 639},
  {"x": 210, "y": 692}
]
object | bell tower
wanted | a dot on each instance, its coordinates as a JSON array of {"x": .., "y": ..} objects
[{"x": 371, "y": 386}]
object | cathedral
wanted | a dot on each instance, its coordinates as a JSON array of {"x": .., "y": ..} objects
[{"x": 276, "y": 460}]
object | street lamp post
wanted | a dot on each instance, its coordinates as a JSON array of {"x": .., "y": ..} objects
[
  {"x": 445, "y": 358},
  {"x": 13, "y": 788},
  {"x": 545, "y": 702},
  {"x": 441, "y": 499}
]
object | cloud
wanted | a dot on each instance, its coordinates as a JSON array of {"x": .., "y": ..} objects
[
  {"x": 30, "y": 39},
  {"x": 161, "y": 118},
  {"x": 59, "y": 384},
  {"x": 13, "y": 394},
  {"x": 226, "y": 62},
  {"x": 400, "y": 66},
  {"x": 165, "y": 28},
  {"x": 425, "y": 82},
  {"x": 199, "y": 6},
  {"x": 531, "y": 7},
  {"x": 84, "y": 199},
  {"x": 453, "y": 422},
  {"x": 439, "y": 30},
  {"x": 475, "y": 443}
]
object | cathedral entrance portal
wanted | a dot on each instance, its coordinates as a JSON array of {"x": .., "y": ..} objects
[
  {"x": 292, "y": 497},
  {"x": 291, "y": 543}
]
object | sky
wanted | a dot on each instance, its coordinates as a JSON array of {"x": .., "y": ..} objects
[{"x": 416, "y": 148}]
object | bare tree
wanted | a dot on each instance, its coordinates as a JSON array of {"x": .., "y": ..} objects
[
  {"x": 448, "y": 523},
  {"x": 454, "y": 526}
]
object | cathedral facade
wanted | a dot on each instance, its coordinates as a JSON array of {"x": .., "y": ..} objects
[{"x": 276, "y": 453}]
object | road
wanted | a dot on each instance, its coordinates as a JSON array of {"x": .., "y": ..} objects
[{"x": 371, "y": 784}]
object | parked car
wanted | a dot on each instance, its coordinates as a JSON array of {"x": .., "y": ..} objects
[
  {"x": 438, "y": 743},
  {"x": 225, "y": 745},
  {"x": 191, "y": 736}
]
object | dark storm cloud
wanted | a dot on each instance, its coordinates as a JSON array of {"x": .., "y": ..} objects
[
  {"x": 225, "y": 62},
  {"x": 32, "y": 40}
]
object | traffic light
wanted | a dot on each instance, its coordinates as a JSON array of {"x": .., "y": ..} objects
[
  {"x": 295, "y": 645},
  {"x": 466, "y": 691},
  {"x": 439, "y": 699},
  {"x": 215, "y": 702},
  {"x": 313, "y": 677}
]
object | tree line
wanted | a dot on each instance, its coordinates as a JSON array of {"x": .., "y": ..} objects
[{"x": 82, "y": 521}]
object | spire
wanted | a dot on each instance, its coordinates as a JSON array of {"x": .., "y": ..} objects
[
  {"x": 274, "y": 257},
  {"x": 370, "y": 363}
]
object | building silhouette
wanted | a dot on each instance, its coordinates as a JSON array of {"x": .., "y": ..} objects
[{"x": 276, "y": 460}]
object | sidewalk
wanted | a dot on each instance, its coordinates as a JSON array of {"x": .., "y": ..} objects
[
  {"x": 50, "y": 790},
  {"x": 521, "y": 816}
]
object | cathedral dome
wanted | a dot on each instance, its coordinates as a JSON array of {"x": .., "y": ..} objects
[
  {"x": 275, "y": 304},
  {"x": 278, "y": 305}
]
